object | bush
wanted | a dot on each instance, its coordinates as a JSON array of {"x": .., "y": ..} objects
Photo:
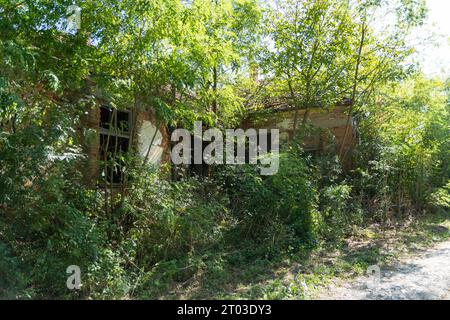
[
  {"x": 173, "y": 219},
  {"x": 13, "y": 281},
  {"x": 267, "y": 207},
  {"x": 336, "y": 217},
  {"x": 45, "y": 223},
  {"x": 440, "y": 198},
  {"x": 403, "y": 155}
]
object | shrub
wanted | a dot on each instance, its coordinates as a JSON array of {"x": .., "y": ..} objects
[
  {"x": 267, "y": 206},
  {"x": 403, "y": 155},
  {"x": 336, "y": 217},
  {"x": 45, "y": 224},
  {"x": 173, "y": 219}
]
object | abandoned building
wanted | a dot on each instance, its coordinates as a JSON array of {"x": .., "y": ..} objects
[
  {"x": 117, "y": 130},
  {"x": 326, "y": 127}
]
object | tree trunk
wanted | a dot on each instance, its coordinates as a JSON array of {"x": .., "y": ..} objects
[{"x": 355, "y": 83}]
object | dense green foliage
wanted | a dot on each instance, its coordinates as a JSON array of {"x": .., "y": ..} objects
[
  {"x": 191, "y": 60},
  {"x": 404, "y": 153}
]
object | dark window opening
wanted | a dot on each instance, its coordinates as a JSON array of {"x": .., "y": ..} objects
[
  {"x": 259, "y": 142},
  {"x": 115, "y": 130},
  {"x": 115, "y": 120}
]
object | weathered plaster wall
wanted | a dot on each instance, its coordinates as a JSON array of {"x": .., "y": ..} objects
[
  {"x": 332, "y": 122},
  {"x": 146, "y": 126}
]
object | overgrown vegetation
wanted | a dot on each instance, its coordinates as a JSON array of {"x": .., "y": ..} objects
[{"x": 221, "y": 235}]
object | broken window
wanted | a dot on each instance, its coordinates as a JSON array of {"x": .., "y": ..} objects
[{"x": 115, "y": 134}]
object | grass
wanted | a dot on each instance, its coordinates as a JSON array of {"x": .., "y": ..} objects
[{"x": 299, "y": 273}]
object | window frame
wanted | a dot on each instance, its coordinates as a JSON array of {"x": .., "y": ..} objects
[{"x": 114, "y": 133}]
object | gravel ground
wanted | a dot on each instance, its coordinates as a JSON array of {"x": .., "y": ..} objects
[{"x": 424, "y": 276}]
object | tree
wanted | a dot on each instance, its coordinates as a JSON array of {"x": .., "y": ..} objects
[
  {"x": 312, "y": 44},
  {"x": 380, "y": 55}
]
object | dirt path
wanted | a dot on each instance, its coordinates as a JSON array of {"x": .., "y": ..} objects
[{"x": 425, "y": 276}]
